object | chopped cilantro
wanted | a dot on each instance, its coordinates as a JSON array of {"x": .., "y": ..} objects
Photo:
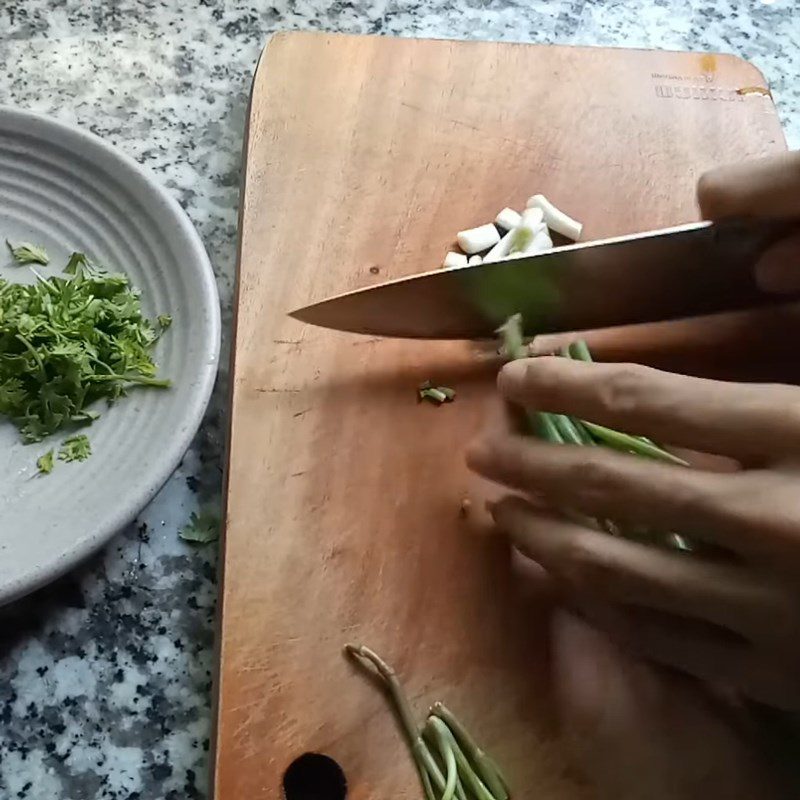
[
  {"x": 67, "y": 342},
  {"x": 45, "y": 463},
  {"x": 75, "y": 448},
  {"x": 164, "y": 321},
  {"x": 201, "y": 528},
  {"x": 25, "y": 253},
  {"x": 76, "y": 260}
]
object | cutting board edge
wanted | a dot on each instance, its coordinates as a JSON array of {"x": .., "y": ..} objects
[{"x": 279, "y": 38}]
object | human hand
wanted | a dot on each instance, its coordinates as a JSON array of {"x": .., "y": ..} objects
[
  {"x": 636, "y": 731},
  {"x": 734, "y": 620},
  {"x": 756, "y": 344},
  {"x": 768, "y": 187}
]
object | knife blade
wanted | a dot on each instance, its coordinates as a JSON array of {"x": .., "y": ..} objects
[{"x": 691, "y": 270}]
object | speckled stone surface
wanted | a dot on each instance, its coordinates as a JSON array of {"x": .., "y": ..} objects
[{"x": 105, "y": 677}]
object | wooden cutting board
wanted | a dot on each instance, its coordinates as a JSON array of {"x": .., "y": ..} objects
[{"x": 364, "y": 156}]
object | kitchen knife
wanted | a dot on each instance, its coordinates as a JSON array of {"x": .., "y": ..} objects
[{"x": 696, "y": 269}]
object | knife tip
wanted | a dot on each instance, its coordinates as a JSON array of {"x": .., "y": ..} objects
[{"x": 297, "y": 314}]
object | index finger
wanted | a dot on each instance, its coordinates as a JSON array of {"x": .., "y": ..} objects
[
  {"x": 764, "y": 187},
  {"x": 636, "y": 574},
  {"x": 745, "y": 421}
]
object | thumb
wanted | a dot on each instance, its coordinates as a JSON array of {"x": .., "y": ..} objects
[{"x": 778, "y": 270}]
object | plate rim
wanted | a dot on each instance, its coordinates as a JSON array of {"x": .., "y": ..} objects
[{"x": 68, "y": 135}]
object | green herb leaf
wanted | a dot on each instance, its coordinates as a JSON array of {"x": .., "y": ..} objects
[
  {"x": 75, "y": 448},
  {"x": 67, "y": 342},
  {"x": 25, "y": 253},
  {"x": 202, "y": 528},
  {"x": 76, "y": 260},
  {"x": 164, "y": 321},
  {"x": 45, "y": 463}
]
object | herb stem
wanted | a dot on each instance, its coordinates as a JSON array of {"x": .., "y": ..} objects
[
  {"x": 140, "y": 379},
  {"x": 36, "y": 357}
]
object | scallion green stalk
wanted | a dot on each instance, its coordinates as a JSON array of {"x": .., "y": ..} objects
[{"x": 562, "y": 429}]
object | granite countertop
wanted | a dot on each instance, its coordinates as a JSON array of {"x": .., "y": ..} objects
[{"x": 106, "y": 675}]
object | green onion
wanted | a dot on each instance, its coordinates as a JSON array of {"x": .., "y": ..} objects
[
  {"x": 447, "y": 758},
  {"x": 562, "y": 429},
  {"x": 632, "y": 444},
  {"x": 546, "y": 427},
  {"x": 436, "y": 394},
  {"x": 484, "y": 765},
  {"x": 579, "y": 350},
  {"x": 572, "y": 430}
]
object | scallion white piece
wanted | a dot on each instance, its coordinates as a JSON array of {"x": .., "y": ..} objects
[
  {"x": 508, "y": 219},
  {"x": 478, "y": 239},
  {"x": 523, "y": 235},
  {"x": 541, "y": 241},
  {"x": 533, "y": 218},
  {"x": 556, "y": 219},
  {"x": 454, "y": 260},
  {"x": 474, "y": 261},
  {"x": 500, "y": 250}
]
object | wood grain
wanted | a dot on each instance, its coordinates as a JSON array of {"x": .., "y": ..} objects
[{"x": 364, "y": 157}]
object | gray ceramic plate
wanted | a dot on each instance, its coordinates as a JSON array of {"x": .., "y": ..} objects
[{"x": 68, "y": 190}]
